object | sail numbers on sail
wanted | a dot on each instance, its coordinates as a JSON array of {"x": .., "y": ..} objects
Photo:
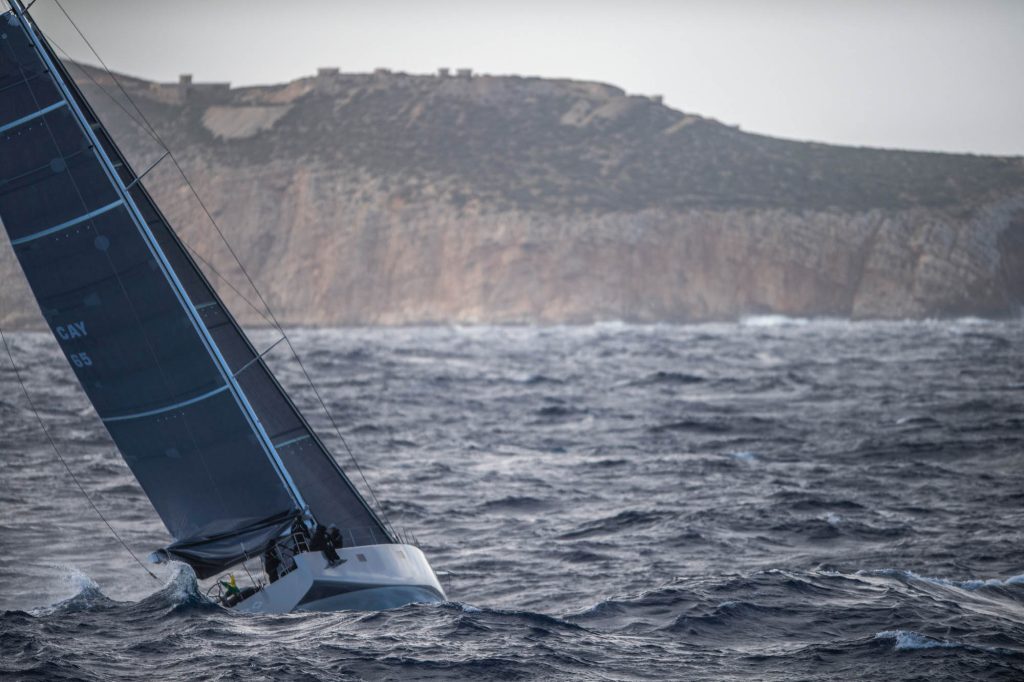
[{"x": 72, "y": 330}]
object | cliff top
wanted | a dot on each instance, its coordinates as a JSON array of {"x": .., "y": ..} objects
[{"x": 509, "y": 142}]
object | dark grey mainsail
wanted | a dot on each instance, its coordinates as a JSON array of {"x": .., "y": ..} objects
[{"x": 223, "y": 454}]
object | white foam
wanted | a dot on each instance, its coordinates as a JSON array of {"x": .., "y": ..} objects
[
  {"x": 908, "y": 640},
  {"x": 744, "y": 456},
  {"x": 969, "y": 584},
  {"x": 976, "y": 584},
  {"x": 82, "y": 589},
  {"x": 833, "y": 519},
  {"x": 181, "y": 585},
  {"x": 771, "y": 321},
  {"x": 79, "y": 580}
]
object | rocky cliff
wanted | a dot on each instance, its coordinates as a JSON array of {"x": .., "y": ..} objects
[{"x": 394, "y": 199}]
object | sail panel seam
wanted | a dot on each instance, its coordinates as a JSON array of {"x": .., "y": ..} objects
[
  {"x": 67, "y": 223},
  {"x": 31, "y": 117},
  {"x": 291, "y": 441},
  {"x": 168, "y": 408}
]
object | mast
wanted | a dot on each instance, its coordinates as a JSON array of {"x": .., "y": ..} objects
[{"x": 229, "y": 377}]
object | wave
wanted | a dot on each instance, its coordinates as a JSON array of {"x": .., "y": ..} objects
[
  {"x": 538, "y": 379},
  {"x": 180, "y": 592},
  {"x": 87, "y": 596},
  {"x": 614, "y": 524},
  {"x": 766, "y": 595},
  {"x": 732, "y": 616},
  {"x": 720, "y": 423},
  {"x": 831, "y": 525},
  {"x": 798, "y": 500},
  {"x": 515, "y": 502},
  {"x": 918, "y": 420},
  {"x": 669, "y": 378},
  {"x": 556, "y": 411},
  {"x": 583, "y": 556},
  {"x": 605, "y": 463},
  {"x": 772, "y": 321},
  {"x": 533, "y": 618},
  {"x": 909, "y": 640},
  {"x": 971, "y": 584},
  {"x": 744, "y": 456},
  {"x": 693, "y": 425}
]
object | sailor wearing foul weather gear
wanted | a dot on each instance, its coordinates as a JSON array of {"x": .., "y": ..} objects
[
  {"x": 232, "y": 595},
  {"x": 323, "y": 541}
]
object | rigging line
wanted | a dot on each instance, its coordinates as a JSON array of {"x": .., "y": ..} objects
[
  {"x": 337, "y": 430},
  {"x": 85, "y": 72},
  {"x": 109, "y": 72},
  {"x": 258, "y": 357},
  {"x": 146, "y": 172},
  {"x": 209, "y": 215},
  {"x": 53, "y": 444},
  {"x": 228, "y": 282},
  {"x": 146, "y": 129}
]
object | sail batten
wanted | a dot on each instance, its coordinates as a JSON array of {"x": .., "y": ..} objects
[
  {"x": 67, "y": 223},
  {"x": 291, "y": 441},
  {"x": 168, "y": 408},
  {"x": 33, "y": 116},
  {"x": 207, "y": 430}
]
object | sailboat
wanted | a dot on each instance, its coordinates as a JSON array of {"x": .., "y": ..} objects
[{"x": 231, "y": 466}]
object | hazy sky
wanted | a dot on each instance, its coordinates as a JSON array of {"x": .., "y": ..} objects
[{"x": 915, "y": 74}]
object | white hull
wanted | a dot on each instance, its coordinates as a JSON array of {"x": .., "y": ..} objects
[{"x": 372, "y": 578}]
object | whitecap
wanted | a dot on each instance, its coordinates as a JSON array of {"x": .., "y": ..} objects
[
  {"x": 771, "y": 321},
  {"x": 182, "y": 586},
  {"x": 744, "y": 456},
  {"x": 80, "y": 581},
  {"x": 85, "y": 594},
  {"x": 968, "y": 584},
  {"x": 908, "y": 640}
]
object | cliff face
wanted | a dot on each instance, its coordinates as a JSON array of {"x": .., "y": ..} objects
[{"x": 394, "y": 199}]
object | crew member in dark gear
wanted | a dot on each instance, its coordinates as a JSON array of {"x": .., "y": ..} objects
[
  {"x": 321, "y": 542},
  {"x": 271, "y": 564},
  {"x": 335, "y": 535}
]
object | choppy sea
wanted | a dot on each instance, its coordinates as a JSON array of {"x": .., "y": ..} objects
[{"x": 772, "y": 499}]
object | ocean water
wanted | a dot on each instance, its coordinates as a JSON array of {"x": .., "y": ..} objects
[{"x": 774, "y": 499}]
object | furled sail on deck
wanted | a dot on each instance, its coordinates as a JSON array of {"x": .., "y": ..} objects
[{"x": 219, "y": 448}]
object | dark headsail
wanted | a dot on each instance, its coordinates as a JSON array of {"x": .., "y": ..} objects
[{"x": 223, "y": 454}]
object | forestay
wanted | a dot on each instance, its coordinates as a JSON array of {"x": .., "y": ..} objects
[{"x": 216, "y": 444}]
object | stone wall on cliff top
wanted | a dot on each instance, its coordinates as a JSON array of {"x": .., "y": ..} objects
[{"x": 396, "y": 199}]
